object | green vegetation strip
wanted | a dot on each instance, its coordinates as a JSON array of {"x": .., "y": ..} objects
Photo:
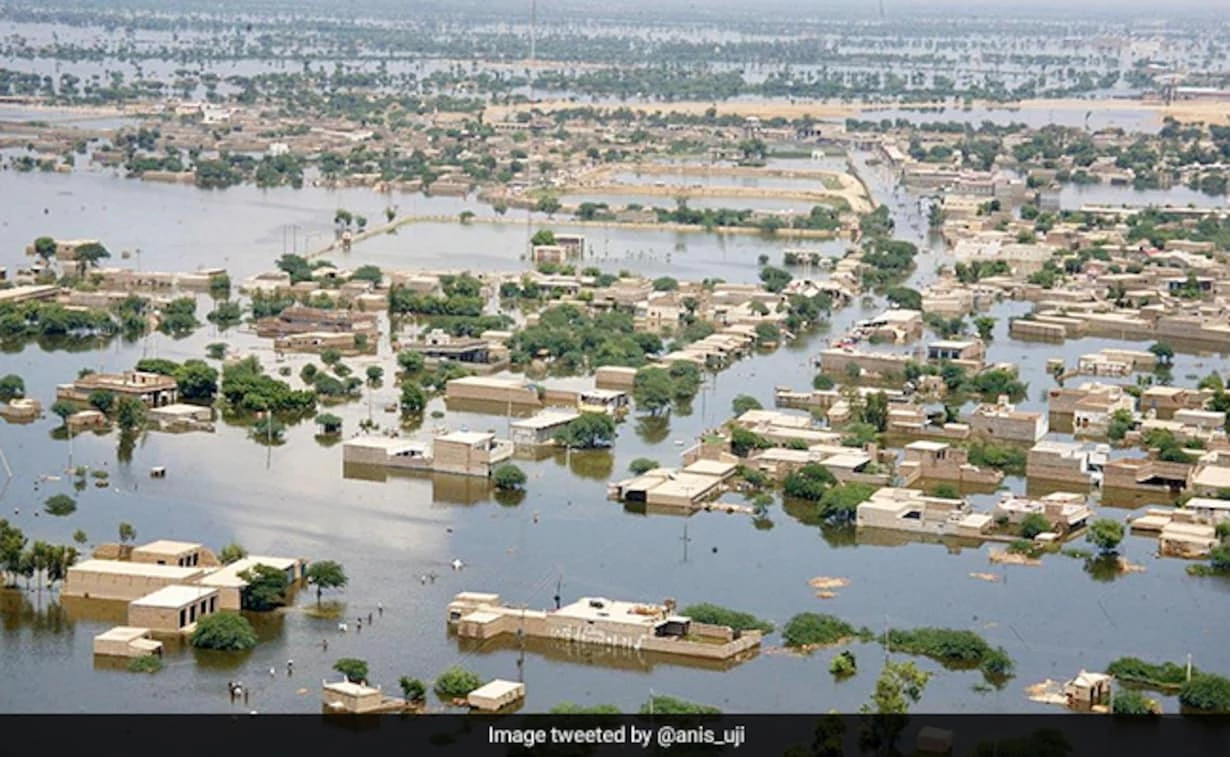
[
  {"x": 953, "y": 647},
  {"x": 723, "y": 616}
]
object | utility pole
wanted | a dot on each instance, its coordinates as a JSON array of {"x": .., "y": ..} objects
[
  {"x": 559, "y": 582},
  {"x": 521, "y": 644},
  {"x": 685, "y": 541}
]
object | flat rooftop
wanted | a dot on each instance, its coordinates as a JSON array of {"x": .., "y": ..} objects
[
  {"x": 351, "y": 689},
  {"x": 124, "y": 568},
  {"x": 175, "y": 596},
  {"x": 388, "y": 444},
  {"x": 926, "y": 445},
  {"x": 228, "y": 575},
  {"x": 598, "y": 608},
  {"x": 547, "y": 419},
  {"x": 466, "y": 437},
  {"x": 122, "y": 633},
  {"x": 168, "y": 547},
  {"x": 498, "y": 689}
]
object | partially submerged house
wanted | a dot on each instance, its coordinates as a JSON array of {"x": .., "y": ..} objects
[
  {"x": 540, "y": 429},
  {"x": 937, "y": 461},
  {"x": 467, "y": 453},
  {"x": 595, "y": 620},
  {"x": 1065, "y": 511},
  {"x": 154, "y": 389},
  {"x": 496, "y": 695},
  {"x": 914, "y": 511},
  {"x": 1003, "y": 422}
]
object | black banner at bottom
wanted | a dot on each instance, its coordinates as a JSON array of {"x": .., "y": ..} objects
[{"x": 599, "y": 735}]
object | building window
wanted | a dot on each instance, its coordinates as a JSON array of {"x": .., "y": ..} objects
[
  {"x": 183, "y": 618},
  {"x": 192, "y": 614},
  {"x": 213, "y": 604}
]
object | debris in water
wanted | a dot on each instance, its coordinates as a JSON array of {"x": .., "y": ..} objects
[
  {"x": 824, "y": 582},
  {"x": 826, "y": 594},
  {"x": 992, "y": 577}
]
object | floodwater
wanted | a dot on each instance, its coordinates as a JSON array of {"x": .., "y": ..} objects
[{"x": 293, "y": 499}]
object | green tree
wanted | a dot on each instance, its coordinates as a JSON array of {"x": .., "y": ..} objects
[
  {"x": 653, "y": 389},
  {"x": 353, "y": 668},
  {"x": 809, "y": 482},
  {"x": 102, "y": 401},
  {"x": 543, "y": 238},
  {"x": 80, "y": 538},
  {"x": 233, "y": 552},
  {"x": 266, "y": 590},
  {"x": 904, "y": 297},
  {"x": 985, "y": 326},
  {"x": 330, "y": 356},
  {"x": 1034, "y": 524},
  {"x": 508, "y": 477},
  {"x": 60, "y": 505},
  {"x": 587, "y": 431},
  {"x": 127, "y": 533},
  {"x": 326, "y": 574},
  {"x": 1105, "y": 534},
  {"x": 224, "y": 631},
  {"x": 413, "y": 399},
  {"x": 1207, "y": 693},
  {"x": 643, "y": 465},
  {"x": 1129, "y": 702},
  {"x": 1163, "y": 352},
  {"x": 410, "y": 362},
  {"x": 374, "y": 375},
  {"x": 412, "y": 689},
  {"x": 129, "y": 413},
  {"x": 12, "y": 387},
  {"x": 665, "y": 284},
  {"x": 45, "y": 247},
  {"x": 62, "y": 409},
  {"x": 329, "y": 423},
  {"x": 843, "y": 665},
  {"x": 457, "y": 682},
  {"x": 899, "y": 685}
]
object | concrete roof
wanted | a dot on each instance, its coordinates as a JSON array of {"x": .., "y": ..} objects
[
  {"x": 388, "y": 444},
  {"x": 122, "y": 633},
  {"x": 687, "y": 485},
  {"x": 351, "y": 689},
  {"x": 1214, "y": 476},
  {"x": 1206, "y": 503},
  {"x": 929, "y": 446},
  {"x": 168, "y": 547},
  {"x": 466, "y": 437},
  {"x": 228, "y": 575},
  {"x": 710, "y": 468},
  {"x": 613, "y": 610},
  {"x": 497, "y": 689},
  {"x": 118, "y": 567},
  {"x": 175, "y": 596},
  {"x": 547, "y": 419}
]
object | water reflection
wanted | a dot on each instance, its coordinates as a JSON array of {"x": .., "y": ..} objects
[
  {"x": 39, "y": 611},
  {"x": 615, "y": 658},
  {"x": 595, "y": 464},
  {"x": 653, "y": 429}
]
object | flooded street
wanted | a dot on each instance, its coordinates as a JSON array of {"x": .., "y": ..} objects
[{"x": 294, "y": 500}]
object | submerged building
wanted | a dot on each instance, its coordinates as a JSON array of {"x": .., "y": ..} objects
[{"x": 595, "y": 620}]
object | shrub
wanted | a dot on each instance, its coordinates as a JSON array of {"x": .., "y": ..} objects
[
  {"x": 1130, "y": 702},
  {"x": 457, "y": 682},
  {"x": 664, "y": 705},
  {"x": 809, "y": 629},
  {"x": 224, "y": 631},
  {"x": 843, "y": 665},
  {"x": 568, "y": 708},
  {"x": 952, "y": 647},
  {"x": 60, "y": 505},
  {"x": 412, "y": 689},
  {"x": 508, "y": 477},
  {"x": 1208, "y": 693},
  {"x": 145, "y": 664},
  {"x": 1166, "y": 676},
  {"x": 353, "y": 668},
  {"x": 723, "y": 616},
  {"x": 643, "y": 465}
]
